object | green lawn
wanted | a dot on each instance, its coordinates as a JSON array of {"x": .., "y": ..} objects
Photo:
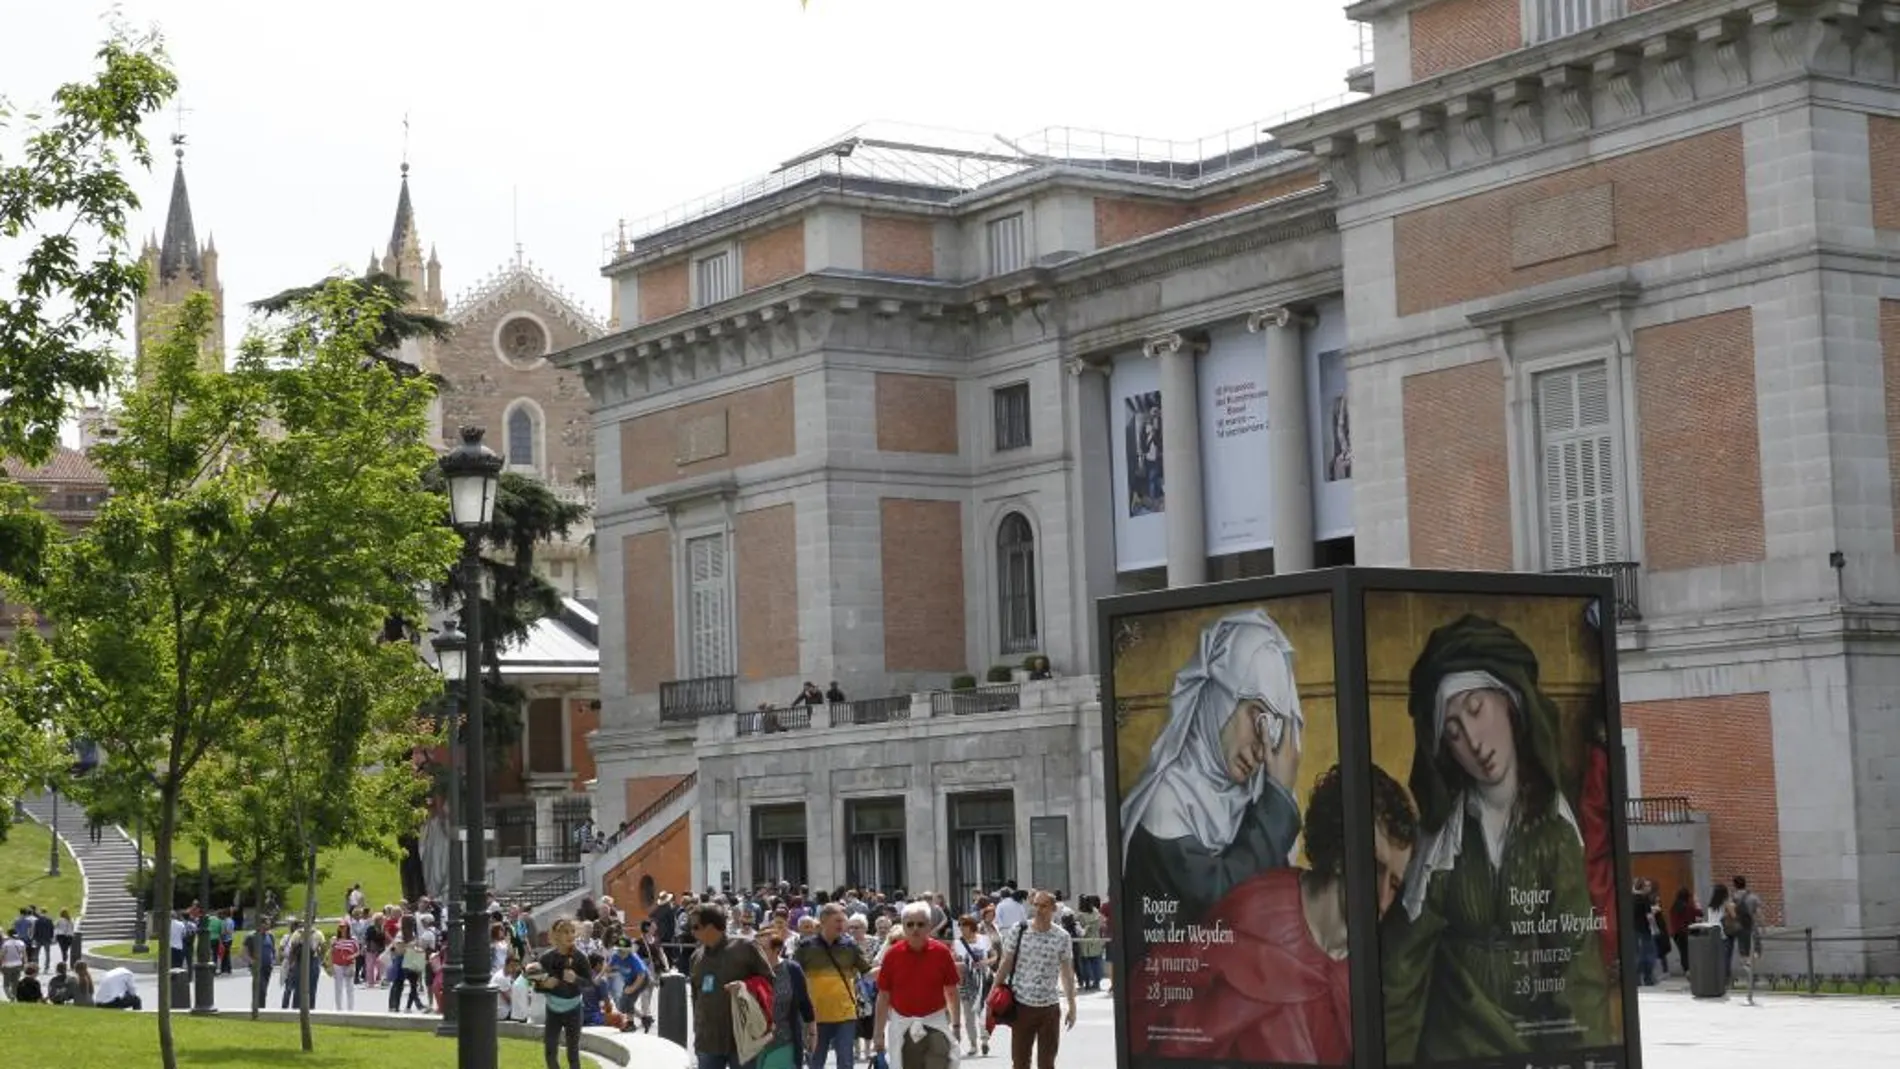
[
  {"x": 122, "y": 950},
  {"x": 381, "y": 878},
  {"x": 102, "y": 1039},
  {"x": 23, "y": 879}
]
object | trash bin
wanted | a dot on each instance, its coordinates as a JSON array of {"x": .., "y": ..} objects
[
  {"x": 181, "y": 989},
  {"x": 673, "y": 1008},
  {"x": 1708, "y": 964}
]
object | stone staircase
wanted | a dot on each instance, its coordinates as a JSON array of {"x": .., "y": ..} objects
[{"x": 110, "y": 914}]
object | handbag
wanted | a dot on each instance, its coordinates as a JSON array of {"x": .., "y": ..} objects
[
  {"x": 782, "y": 1056},
  {"x": 1001, "y": 1005}
]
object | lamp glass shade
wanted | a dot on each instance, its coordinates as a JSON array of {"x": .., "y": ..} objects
[
  {"x": 450, "y": 650},
  {"x": 473, "y": 474}
]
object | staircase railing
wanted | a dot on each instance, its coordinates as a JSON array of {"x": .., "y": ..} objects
[{"x": 639, "y": 820}]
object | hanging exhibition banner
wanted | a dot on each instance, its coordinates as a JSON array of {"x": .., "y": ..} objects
[
  {"x": 1232, "y": 918},
  {"x": 1422, "y": 862},
  {"x": 1141, "y": 536},
  {"x": 1234, "y": 443},
  {"x": 1331, "y": 422}
]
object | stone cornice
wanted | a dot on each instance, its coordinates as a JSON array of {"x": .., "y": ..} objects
[
  {"x": 1644, "y": 64},
  {"x": 922, "y": 318}
]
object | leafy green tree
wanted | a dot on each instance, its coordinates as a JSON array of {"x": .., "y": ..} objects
[
  {"x": 34, "y": 688},
  {"x": 67, "y": 195},
  {"x": 264, "y": 510}
]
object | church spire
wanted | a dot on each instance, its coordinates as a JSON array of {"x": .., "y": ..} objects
[
  {"x": 178, "y": 253},
  {"x": 405, "y": 229}
]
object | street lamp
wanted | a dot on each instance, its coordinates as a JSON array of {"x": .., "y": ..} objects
[
  {"x": 451, "y": 651},
  {"x": 473, "y": 473},
  {"x": 52, "y": 848}
]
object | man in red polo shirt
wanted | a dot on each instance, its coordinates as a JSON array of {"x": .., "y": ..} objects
[{"x": 917, "y": 997}]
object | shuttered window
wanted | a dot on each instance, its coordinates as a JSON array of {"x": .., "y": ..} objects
[
  {"x": 1580, "y": 475},
  {"x": 1016, "y": 583},
  {"x": 709, "y": 618},
  {"x": 1546, "y": 20},
  {"x": 1007, "y": 249},
  {"x": 716, "y": 278}
]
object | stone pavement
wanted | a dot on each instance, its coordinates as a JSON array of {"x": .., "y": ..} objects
[{"x": 1679, "y": 1032}]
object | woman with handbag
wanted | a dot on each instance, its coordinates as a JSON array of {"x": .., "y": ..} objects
[
  {"x": 794, "y": 1019},
  {"x": 972, "y": 952}
]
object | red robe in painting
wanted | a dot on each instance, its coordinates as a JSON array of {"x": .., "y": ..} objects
[
  {"x": 1271, "y": 995},
  {"x": 1599, "y": 851}
]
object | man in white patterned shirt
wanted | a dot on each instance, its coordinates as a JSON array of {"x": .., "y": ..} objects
[{"x": 1039, "y": 963}]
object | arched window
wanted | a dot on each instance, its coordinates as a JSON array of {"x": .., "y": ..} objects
[
  {"x": 521, "y": 435},
  {"x": 1016, "y": 583}
]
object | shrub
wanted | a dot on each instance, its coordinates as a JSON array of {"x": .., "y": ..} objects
[
  {"x": 1000, "y": 673},
  {"x": 963, "y": 682},
  {"x": 229, "y": 881}
]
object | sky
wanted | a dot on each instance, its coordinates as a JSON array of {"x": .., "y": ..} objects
[{"x": 541, "y": 125}]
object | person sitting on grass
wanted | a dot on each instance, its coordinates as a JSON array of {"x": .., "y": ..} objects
[
  {"x": 118, "y": 990},
  {"x": 59, "y": 989},
  {"x": 28, "y": 989}
]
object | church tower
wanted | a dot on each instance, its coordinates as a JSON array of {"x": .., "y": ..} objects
[
  {"x": 175, "y": 268},
  {"x": 403, "y": 258}
]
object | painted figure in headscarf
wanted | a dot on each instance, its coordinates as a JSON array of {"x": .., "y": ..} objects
[
  {"x": 1496, "y": 948},
  {"x": 1215, "y": 803},
  {"x": 1279, "y": 992}
]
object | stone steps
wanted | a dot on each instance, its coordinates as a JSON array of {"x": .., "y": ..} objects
[{"x": 110, "y": 914}]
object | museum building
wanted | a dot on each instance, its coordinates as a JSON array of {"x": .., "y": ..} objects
[{"x": 1603, "y": 286}]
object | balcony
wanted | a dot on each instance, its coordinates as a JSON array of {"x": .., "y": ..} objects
[
  {"x": 685, "y": 700},
  {"x": 1625, "y": 574},
  {"x": 1062, "y": 693},
  {"x": 1663, "y": 809}
]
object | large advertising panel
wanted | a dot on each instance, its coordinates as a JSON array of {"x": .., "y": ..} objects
[
  {"x": 1331, "y": 421},
  {"x": 1141, "y": 497},
  {"x": 1237, "y": 474},
  {"x": 1493, "y": 713},
  {"x": 1368, "y": 818},
  {"x": 1232, "y": 889}
]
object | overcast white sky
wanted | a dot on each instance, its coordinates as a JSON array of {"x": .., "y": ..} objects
[{"x": 599, "y": 111}]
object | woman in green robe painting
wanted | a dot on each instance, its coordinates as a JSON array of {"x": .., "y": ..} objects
[{"x": 1496, "y": 949}]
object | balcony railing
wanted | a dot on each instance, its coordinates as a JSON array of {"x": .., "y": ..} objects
[
  {"x": 690, "y": 699},
  {"x": 870, "y": 711},
  {"x": 773, "y": 721},
  {"x": 1625, "y": 574},
  {"x": 1664, "y": 809},
  {"x": 994, "y": 698}
]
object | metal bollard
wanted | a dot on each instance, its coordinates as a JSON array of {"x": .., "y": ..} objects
[
  {"x": 181, "y": 989},
  {"x": 1814, "y": 982},
  {"x": 673, "y": 1008}
]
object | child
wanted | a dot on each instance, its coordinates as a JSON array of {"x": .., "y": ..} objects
[
  {"x": 596, "y": 992},
  {"x": 635, "y": 977},
  {"x": 28, "y": 989}
]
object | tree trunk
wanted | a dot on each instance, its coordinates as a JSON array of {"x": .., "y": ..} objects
[
  {"x": 309, "y": 929},
  {"x": 260, "y": 923},
  {"x": 162, "y": 905}
]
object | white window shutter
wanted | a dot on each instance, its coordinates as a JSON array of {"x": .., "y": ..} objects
[
  {"x": 709, "y": 625},
  {"x": 1578, "y": 442}
]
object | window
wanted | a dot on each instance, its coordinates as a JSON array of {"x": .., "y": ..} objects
[
  {"x": 715, "y": 278},
  {"x": 1007, "y": 252},
  {"x": 778, "y": 844},
  {"x": 1012, "y": 416},
  {"x": 1016, "y": 583},
  {"x": 708, "y": 620},
  {"x": 1577, "y": 446},
  {"x": 982, "y": 843},
  {"x": 1546, "y": 20},
  {"x": 876, "y": 857},
  {"x": 521, "y": 436}
]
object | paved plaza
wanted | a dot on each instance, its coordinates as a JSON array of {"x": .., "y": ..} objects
[{"x": 1679, "y": 1032}]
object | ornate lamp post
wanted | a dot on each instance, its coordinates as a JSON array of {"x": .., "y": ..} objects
[
  {"x": 473, "y": 473},
  {"x": 451, "y": 649}
]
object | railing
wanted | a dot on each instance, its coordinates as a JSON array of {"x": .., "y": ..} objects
[
  {"x": 690, "y": 699},
  {"x": 547, "y": 891},
  {"x": 1624, "y": 573},
  {"x": 773, "y": 721},
  {"x": 870, "y": 711},
  {"x": 992, "y": 698},
  {"x": 1667, "y": 809},
  {"x": 1871, "y": 981},
  {"x": 639, "y": 820}
]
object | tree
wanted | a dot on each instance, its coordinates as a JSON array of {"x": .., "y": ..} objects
[
  {"x": 69, "y": 196},
  {"x": 271, "y": 505},
  {"x": 34, "y": 687}
]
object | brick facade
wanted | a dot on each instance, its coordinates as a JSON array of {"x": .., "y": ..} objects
[
  {"x": 583, "y": 716},
  {"x": 1457, "y": 33},
  {"x": 1118, "y": 220},
  {"x": 921, "y": 551},
  {"x": 773, "y": 256},
  {"x": 1883, "y": 157},
  {"x": 643, "y": 791},
  {"x": 766, "y": 543},
  {"x": 916, "y": 414},
  {"x": 481, "y": 386},
  {"x": 1890, "y": 361},
  {"x": 667, "y": 859},
  {"x": 897, "y": 246},
  {"x": 647, "y": 568},
  {"x": 1719, "y": 753},
  {"x": 665, "y": 291},
  {"x": 1701, "y": 446},
  {"x": 1687, "y": 194},
  {"x": 1457, "y": 468},
  {"x": 718, "y": 434}
]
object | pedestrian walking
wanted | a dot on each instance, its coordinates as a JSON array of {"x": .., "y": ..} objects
[
  {"x": 1039, "y": 961},
  {"x": 832, "y": 964},
  {"x": 563, "y": 973},
  {"x": 794, "y": 1019},
  {"x": 972, "y": 951},
  {"x": 919, "y": 1016},
  {"x": 344, "y": 950},
  {"x": 43, "y": 943},
  {"x": 63, "y": 935},
  {"x": 720, "y": 965},
  {"x": 12, "y": 964}
]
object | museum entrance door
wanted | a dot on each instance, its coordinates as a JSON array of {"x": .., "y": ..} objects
[{"x": 983, "y": 845}]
